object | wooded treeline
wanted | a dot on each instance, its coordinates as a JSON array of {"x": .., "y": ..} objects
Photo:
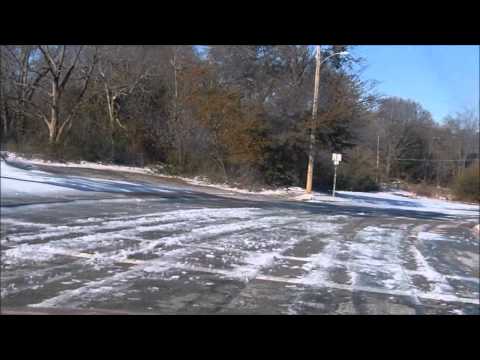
[{"x": 234, "y": 113}]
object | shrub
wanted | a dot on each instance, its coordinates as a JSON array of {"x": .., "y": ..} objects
[
  {"x": 467, "y": 185},
  {"x": 357, "y": 171},
  {"x": 429, "y": 190},
  {"x": 422, "y": 190}
]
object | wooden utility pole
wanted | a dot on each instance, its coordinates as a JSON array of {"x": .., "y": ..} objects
[
  {"x": 378, "y": 156},
  {"x": 314, "y": 122}
]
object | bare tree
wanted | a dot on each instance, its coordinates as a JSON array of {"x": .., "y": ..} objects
[
  {"x": 399, "y": 122},
  {"x": 62, "y": 65},
  {"x": 21, "y": 76},
  {"x": 184, "y": 74},
  {"x": 463, "y": 130},
  {"x": 122, "y": 71}
]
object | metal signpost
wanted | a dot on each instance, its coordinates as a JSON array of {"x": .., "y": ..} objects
[{"x": 336, "y": 158}]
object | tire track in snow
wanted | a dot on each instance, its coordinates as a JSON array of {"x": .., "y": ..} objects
[
  {"x": 32, "y": 251},
  {"x": 183, "y": 220},
  {"x": 134, "y": 221},
  {"x": 254, "y": 262}
]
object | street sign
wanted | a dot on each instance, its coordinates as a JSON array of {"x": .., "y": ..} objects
[{"x": 336, "y": 158}]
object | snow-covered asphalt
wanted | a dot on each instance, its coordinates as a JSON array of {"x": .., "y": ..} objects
[{"x": 140, "y": 247}]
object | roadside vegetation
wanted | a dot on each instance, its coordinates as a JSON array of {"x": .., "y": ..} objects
[
  {"x": 467, "y": 184},
  {"x": 235, "y": 114}
]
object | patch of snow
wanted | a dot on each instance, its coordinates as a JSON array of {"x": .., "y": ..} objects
[
  {"x": 440, "y": 283},
  {"x": 428, "y": 236},
  {"x": 15, "y": 182},
  {"x": 120, "y": 228},
  {"x": 319, "y": 197},
  {"x": 476, "y": 229},
  {"x": 198, "y": 180},
  {"x": 18, "y": 182},
  {"x": 402, "y": 200},
  {"x": 81, "y": 164}
]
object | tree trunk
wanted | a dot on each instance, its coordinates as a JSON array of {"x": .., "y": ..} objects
[
  {"x": 180, "y": 154},
  {"x": 388, "y": 167},
  {"x": 60, "y": 75},
  {"x": 52, "y": 128},
  {"x": 3, "y": 115},
  {"x": 175, "y": 115},
  {"x": 222, "y": 167},
  {"x": 26, "y": 51},
  {"x": 112, "y": 144},
  {"x": 111, "y": 119}
]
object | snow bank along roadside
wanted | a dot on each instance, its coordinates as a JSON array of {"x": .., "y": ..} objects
[
  {"x": 16, "y": 182},
  {"x": 82, "y": 164},
  {"x": 401, "y": 200},
  {"x": 198, "y": 180}
]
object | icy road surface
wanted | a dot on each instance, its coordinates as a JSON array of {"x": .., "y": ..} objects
[{"x": 145, "y": 247}]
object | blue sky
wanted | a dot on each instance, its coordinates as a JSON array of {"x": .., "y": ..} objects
[{"x": 444, "y": 79}]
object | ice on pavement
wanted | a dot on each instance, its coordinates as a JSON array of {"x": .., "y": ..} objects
[
  {"x": 238, "y": 243},
  {"x": 246, "y": 243},
  {"x": 250, "y": 239}
]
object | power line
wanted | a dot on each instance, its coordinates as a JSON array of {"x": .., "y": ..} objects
[{"x": 398, "y": 159}]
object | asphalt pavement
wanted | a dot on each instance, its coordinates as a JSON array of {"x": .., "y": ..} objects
[{"x": 198, "y": 250}]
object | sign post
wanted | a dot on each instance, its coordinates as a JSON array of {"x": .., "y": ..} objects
[{"x": 336, "y": 158}]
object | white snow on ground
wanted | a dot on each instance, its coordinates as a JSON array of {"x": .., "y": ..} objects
[
  {"x": 429, "y": 236},
  {"x": 403, "y": 200},
  {"x": 250, "y": 240},
  {"x": 319, "y": 197},
  {"x": 17, "y": 182},
  {"x": 197, "y": 180},
  {"x": 223, "y": 223},
  {"x": 440, "y": 283},
  {"x": 81, "y": 164},
  {"x": 374, "y": 262},
  {"x": 373, "y": 255},
  {"x": 126, "y": 226}
]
